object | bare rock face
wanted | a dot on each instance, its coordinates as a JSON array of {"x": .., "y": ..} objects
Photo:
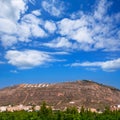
[{"x": 80, "y": 93}]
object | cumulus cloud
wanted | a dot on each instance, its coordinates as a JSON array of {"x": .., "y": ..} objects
[
  {"x": 12, "y": 9},
  {"x": 36, "y": 12},
  {"x": 94, "y": 31},
  {"x": 27, "y": 59},
  {"x": 50, "y": 26},
  {"x": 101, "y": 9},
  {"x": 60, "y": 42},
  {"x": 7, "y": 26},
  {"x": 30, "y": 25},
  {"x": 110, "y": 65},
  {"x": 53, "y": 7},
  {"x": 31, "y": 19},
  {"x": 8, "y": 40},
  {"x": 16, "y": 26},
  {"x": 89, "y": 31}
]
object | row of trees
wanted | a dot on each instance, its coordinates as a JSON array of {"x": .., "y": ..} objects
[{"x": 72, "y": 113}]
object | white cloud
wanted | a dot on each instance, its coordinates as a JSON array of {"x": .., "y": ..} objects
[
  {"x": 36, "y": 12},
  {"x": 58, "y": 53},
  {"x": 50, "y": 26},
  {"x": 37, "y": 31},
  {"x": 78, "y": 31},
  {"x": 27, "y": 59},
  {"x": 15, "y": 28},
  {"x": 82, "y": 35},
  {"x": 60, "y": 42},
  {"x": 30, "y": 27},
  {"x": 101, "y": 9},
  {"x": 7, "y": 26},
  {"x": 23, "y": 32},
  {"x": 53, "y": 7},
  {"x": 110, "y": 65},
  {"x": 31, "y": 19},
  {"x": 92, "y": 31},
  {"x": 12, "y": 9},
  {"x": 68, "y": 26},
  {"x": 8, "y": 40}
]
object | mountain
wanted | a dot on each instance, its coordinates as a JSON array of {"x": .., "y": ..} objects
[{"x": 79, "y": 93}]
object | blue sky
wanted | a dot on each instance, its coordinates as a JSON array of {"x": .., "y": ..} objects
[{"x": 49, "y": 41}]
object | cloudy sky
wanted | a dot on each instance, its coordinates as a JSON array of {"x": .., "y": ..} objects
[{"x": 59, "y": 40}]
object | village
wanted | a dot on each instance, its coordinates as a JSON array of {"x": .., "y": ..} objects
[
  {"x": 31, "y": 108},
  {"x": 20, "y": 107}
]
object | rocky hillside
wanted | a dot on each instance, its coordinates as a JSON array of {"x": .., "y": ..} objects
[{"x": 79, "y": 93}]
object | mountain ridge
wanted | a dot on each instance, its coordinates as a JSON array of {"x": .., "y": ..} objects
[{"x": 76, "y": 93}]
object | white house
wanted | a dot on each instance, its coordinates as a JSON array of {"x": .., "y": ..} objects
[{"x": 3, "y": 108}]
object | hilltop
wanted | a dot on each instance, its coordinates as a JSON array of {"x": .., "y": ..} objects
[{"x": 79, "y": 93}]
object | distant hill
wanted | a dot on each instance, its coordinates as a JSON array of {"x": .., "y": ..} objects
[{"x": 79, "y": 93}]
